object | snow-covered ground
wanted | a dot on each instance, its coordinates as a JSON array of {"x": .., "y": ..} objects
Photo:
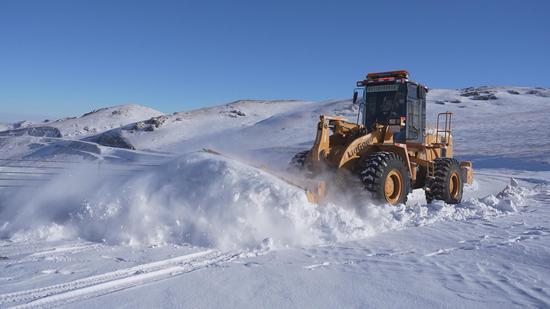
[{"x": 160, "y": 223}]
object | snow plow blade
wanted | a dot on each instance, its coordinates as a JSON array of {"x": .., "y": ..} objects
[
  {"x": 316, "y": 196},
  {"x": 315, "y": 190}
]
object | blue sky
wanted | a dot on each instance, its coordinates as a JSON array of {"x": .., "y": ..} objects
[{"x": 61, "y": 58}]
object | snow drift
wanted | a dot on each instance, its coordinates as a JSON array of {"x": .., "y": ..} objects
[{"x": 211, "y": 201}]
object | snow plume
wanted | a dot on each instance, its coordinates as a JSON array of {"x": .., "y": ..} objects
[
  {"x": 199, "y": 199},
  {"x": 211, "y": 201}
]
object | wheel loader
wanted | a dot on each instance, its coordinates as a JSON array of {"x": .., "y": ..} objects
[{"x": 389, "y": 147}]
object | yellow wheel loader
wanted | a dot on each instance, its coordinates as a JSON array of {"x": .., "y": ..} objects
[{"x": 389, "y": 146}]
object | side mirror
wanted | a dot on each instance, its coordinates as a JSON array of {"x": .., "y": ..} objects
[
  {"x": 354, "y": 97},
  {"x": 422, "y": 92}
]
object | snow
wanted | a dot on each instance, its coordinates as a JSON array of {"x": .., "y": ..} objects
[
  {"x": 4, "y": 126},
  {"x": 179, "y": 203},
  {"x": 168, "y": 225},
  {"x": 96, "y": 121},
  {"x": 208, "y": 124}
]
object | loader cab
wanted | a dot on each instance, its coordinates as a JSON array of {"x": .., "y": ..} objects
[{"x": 390, "y": 99}]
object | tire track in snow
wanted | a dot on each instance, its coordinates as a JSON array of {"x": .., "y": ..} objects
[
  {"x": 72, "y": 249},
  {"x": 11, "y": 250},
  {"x": 34, "y": 252},
  {"x": 114, "y": 281}
]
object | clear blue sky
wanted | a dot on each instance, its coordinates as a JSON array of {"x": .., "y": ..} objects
[{"x": 67, "y": 57}]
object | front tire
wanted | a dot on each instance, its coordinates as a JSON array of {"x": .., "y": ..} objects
[
  {"x": 447, "y": 184},
  {"x": 298, "y": 162},
  {"x": 387, "y": 177}
]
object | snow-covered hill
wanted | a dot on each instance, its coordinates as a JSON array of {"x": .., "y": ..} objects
[
  {"x": 165, "y": 131},
  {"x": 164, "y": 224},
  {"x": 96, "y": 121},
  {"x": 5, "y": 126}
]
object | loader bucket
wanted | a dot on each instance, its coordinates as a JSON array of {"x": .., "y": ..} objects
[{"x": 316, "y": 195}]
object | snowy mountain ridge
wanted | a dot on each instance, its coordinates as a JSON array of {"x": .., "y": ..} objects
[{"x": 93, "y": 122}]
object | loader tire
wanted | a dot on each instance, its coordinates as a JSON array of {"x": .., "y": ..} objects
[
  {"x": 299, "y": 160},
  {"x": 447, "y": 184},
  {"x": 386, "y": 176}
]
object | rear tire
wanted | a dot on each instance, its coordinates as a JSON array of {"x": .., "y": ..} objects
[
  {"x": 447, "y": 184},
  {"x": 386, "y": 176}
]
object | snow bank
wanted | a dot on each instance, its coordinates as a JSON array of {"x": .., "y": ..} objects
[{"x": 207, "y": 200}]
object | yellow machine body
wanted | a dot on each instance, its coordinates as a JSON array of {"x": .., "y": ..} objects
[{"x": 343, "y": 144}]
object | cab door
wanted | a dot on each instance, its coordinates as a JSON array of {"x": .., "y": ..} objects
[{"x": 416, "y": 114}]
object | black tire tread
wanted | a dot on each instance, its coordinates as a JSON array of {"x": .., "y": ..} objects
[
  {"x": 373, "y": 172},
  {"x": 299, "y": 160},
  {"x": 437, "y": 187}
]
